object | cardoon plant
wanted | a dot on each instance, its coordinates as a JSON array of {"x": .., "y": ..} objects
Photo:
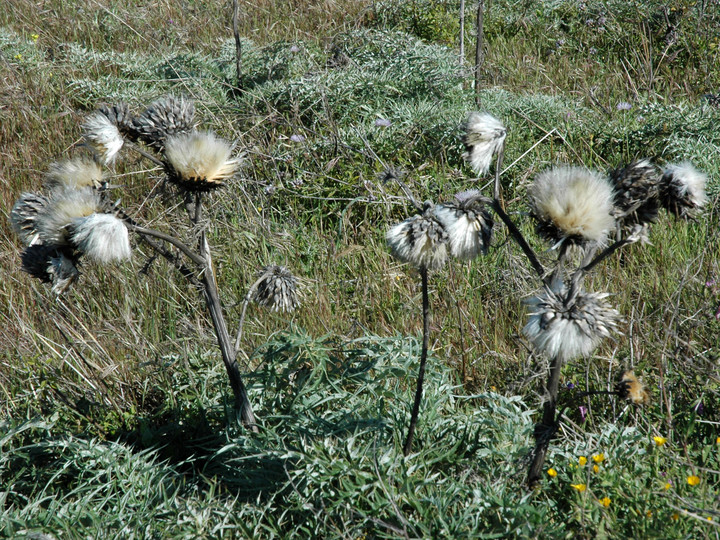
[
  {"x": 575, "y": 210},
  {"x": 75, "y": 219}
]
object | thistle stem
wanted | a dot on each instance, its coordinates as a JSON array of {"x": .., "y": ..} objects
[
  {"x": 246, "y": 301},
  {"x": 212, "y": 300},
  {"x": 546, "y": 428},
  {"x": 518, "y": 237},
  {"x": 194, "y": 257},
  {"x": 423, "y": 360}
]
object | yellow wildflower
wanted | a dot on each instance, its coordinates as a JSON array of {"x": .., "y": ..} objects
[
  {"x": 579, "y": 487},
  {"x": 659, "y": 441},
  {"x": 596, "y": 469},
  {"x": 667, "y": 486},
  {"x": 675, "y": 516},
  {"x": 599, "y": 458},
  {"x": 648, "y": 514},
  {"x": 605, "y": 501},
  {"x": 693, "y": 480},
  {"x": 717, "y": 441},
  {"x": 582, "y": 460},
  {"x": 552, "y": 473},
  {"x": 34, "y": 37}
]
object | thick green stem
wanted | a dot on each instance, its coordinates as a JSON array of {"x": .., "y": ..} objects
[{"x": 423, "y": 360}]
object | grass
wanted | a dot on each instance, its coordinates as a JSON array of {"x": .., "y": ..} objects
[{"x": 114, "y": 399}]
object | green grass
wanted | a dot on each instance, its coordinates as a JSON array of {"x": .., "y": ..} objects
[{"x": 115, "y": 405}]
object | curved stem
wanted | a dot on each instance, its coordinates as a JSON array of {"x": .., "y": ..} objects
[
  {"x": 194, "y": 257},
  {"x": 246, "y": 301},
  {"x": 423, "y": 361}
]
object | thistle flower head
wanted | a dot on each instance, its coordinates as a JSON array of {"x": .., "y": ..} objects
[
  {"x": 484, "y": 137},
  {"x": 277, "y": 289},
  {"x": 166, "y": 117},
  {"x": 572, "y": 204},
  {"x": 468, "y": 224},
  {"x": 420, "y": 240},
  {"x": 24, "y": 216},
  {"x": 102, "y": 136},
  {"x": 199, "y": 161},
  {"x": 569, "y": 327},
  {"x": 51, "y": 264},
  {"x": 75, "y": 173},
  {"x": 682, "y": 190},
  {"x": 636, "y": 190},
  {"x": 631, "y": 388},
  {"x": 63, "y": 208},
  {"x": 119, "y": 114},
  {"x": 102, "y": 237}
]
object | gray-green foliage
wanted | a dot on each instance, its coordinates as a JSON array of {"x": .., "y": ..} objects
[{"x": 328, "y": 461}]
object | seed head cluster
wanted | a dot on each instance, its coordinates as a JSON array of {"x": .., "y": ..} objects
[
  {"x": 682, "y": 189},
  {"x": 103, "y": 137},
  {"x": 277, "y": 289},
  {"x": 484, "y": 137},
  {"x": 636, "y": 190},
  {"x": 420, "y": 240},
  {"x": 572, "y": 204},
  {"x": 631, "y": 388},
  {"x": 468, "y": 224},
  {"x": 164, "y": 118},
  {"x": 569, "y": 327},
  {"x": 199, "y": 161}
]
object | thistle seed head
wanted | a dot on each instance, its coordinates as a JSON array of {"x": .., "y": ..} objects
[
  {"x": 468, "y": 224},
  {"x": 636, "y": 191},
  {"x": 420, "y": 240},
  {"x": 75, "y": 173},
  {"x": 102, "y": 237},
  {"x": 63, "y": 272},
  {"x": 569, "y": 328},
  {"x": 51, "y": 264},
  {"x": 24, "y": 216},
  {"x": 572, "y": 204},
  {"x": 119, "y": 114},
  {"x": 631, "y": 388},
  {"x": 484, "y": 137},
  {"x": 103, "y": 137},
  {"x": 199, "y": 161},
  {"x": 277, "y": 289},
  {"x": 682, "y": 190},
  {"x": 63, "y": 208},
  {"x": 164, "y": 118}
]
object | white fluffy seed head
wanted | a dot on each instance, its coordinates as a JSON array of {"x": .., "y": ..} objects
[
  {"x": 199, "y": 161},
  {"x": 102, "y": 136},
  {"x": 468, "y": 226},
  {"x": 420, "y": 240},
  {"x": 569, "y": 329},
  {"x": 63, "y": 208},
  {"x": 102, "y": 237},
  {"x": 73, "y": 174},
  {"x": 572, "y": 204},
  {"x": 484, "y": 137},
  {"x": 682, "y": 189}
]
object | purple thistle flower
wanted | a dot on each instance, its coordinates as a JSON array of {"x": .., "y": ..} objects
[
  {"x": 570, "y": 385},
  {"x": 383, "y": 122},
  {"x": 623, "y": 106}
]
